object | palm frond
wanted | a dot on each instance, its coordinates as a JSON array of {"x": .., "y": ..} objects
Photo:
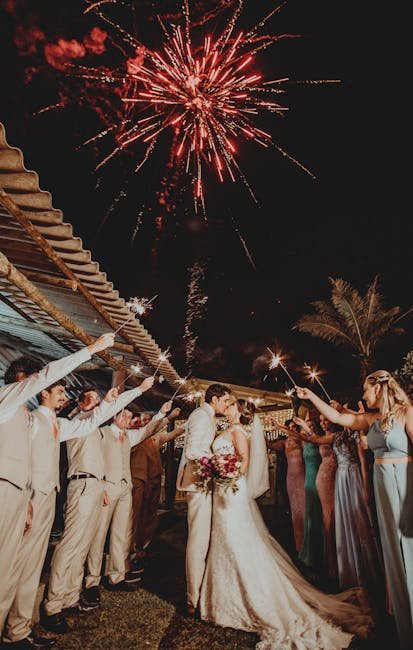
[
  {"x": 406, "y": 313},
  {"x": 349, "y": 304},
  {"x": 373, "y": 303},
  {"x": 324, "y": 328},
  {"x": 384, "y": 326}
]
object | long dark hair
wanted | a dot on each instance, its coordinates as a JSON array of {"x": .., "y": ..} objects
[{"x": 247, "y": 411}]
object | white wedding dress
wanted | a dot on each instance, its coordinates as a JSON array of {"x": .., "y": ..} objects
[{"x": 251, "y": 584}]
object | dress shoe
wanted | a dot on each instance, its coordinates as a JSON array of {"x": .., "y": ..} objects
[
  {"x": 132, "y": 577},
  {"x": 54, "y": 623},
  {"x": 121, "y": 586},
  {"x": 31, "y": 641},
  {"x": 91, "y": 596},
  {"x": 80, "y": 608}
]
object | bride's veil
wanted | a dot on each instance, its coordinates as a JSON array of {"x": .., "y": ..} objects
[{"x": 257, "y": 475}]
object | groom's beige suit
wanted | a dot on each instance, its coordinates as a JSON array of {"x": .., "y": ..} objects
[{"x": 199, "y": 437}]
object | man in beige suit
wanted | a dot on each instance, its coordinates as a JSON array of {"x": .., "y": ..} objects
[
  {"x": 85, "y": 495},
  {"x": 24, "y": 379},
  {"x": 48, "y": 432},
  {"x": 200, "y": 435},
  {"x": 117, "y": 514}
]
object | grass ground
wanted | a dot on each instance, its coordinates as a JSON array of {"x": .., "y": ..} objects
[{"x": 153, "y": 619}]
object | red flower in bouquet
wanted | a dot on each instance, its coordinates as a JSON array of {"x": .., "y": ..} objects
[{"x": 204, "y": 471}]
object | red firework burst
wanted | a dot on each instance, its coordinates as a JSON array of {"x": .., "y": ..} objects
[{"x": 210, "y": 96}]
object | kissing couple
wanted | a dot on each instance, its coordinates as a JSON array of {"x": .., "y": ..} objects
[{"x": 237, "y": 574}]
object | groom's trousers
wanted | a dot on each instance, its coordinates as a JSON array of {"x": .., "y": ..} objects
[{"x": 199, "y": 532}]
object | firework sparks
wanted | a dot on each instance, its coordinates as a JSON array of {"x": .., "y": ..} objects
[
  {"x": 314, "y": 376},
  {"x": 244, "y": 244},
  {"x": 209, "y": 95},
  {"x": 196, "y": 307}
]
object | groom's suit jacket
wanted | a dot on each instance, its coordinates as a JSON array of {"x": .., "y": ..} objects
[{"x": 200, "y": 433}]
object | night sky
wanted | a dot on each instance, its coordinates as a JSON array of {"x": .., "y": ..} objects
[{"x": 352, "y": 222}]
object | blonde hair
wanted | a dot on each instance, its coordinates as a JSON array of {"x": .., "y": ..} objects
[{"x": 394, "y": 402}]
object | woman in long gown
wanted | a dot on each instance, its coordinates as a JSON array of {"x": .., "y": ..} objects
[
  {"x": 356, "y": 552},
  {"x": 325, "y": 484},
  {"x": 390, "y": 436},
  {"x": 312, "y": 550},
  {"x": 293, "y": 450},
  {"x": 250, "y": 583}
]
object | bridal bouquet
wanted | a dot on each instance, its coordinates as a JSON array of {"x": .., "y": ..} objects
[{"x": 220, "y": 470}]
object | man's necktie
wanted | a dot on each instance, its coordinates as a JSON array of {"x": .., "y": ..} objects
[{"x": 122, "y": 435}]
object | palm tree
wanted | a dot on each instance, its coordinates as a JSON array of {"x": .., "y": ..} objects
[{"x": 357, "y": 322}]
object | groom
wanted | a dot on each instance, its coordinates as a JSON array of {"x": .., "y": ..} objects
[{"x": 201, "y": 429}]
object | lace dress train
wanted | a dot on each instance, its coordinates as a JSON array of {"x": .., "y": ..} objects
[{"x": 250, "y": 583}]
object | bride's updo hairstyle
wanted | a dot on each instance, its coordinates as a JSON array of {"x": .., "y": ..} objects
[
  {"x": 394, "y": 401},
  {"x": 247, "y": 411}
]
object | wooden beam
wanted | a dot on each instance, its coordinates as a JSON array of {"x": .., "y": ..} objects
[
  {"x": 53, "y": 280},
  {"x": 29, "y": 289},
  {"x": 53, "y": 330}
]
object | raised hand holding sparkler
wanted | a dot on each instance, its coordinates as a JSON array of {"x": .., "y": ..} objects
[
  {"x": 138, "y": 306},
  {"x": 314, "y": 375},
  {"x": 275, "y": 362}
]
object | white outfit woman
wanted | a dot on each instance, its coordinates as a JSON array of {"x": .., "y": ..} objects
[{"x": 251, "y": 584}]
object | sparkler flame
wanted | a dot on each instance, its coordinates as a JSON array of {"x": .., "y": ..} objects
[
  {"x": 140, "y": 305},
  {"x": 164, "y": 356},
  {"x": 314, "y": 376},
  {"x": 276, "y": 361}
]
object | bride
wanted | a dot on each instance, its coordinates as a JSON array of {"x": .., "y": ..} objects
[{"x": 250, "y": 583}]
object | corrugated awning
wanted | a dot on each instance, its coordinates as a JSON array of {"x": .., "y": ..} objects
[{"x": 41, "y": 245}]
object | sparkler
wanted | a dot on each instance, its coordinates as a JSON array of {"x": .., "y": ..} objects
[
  {"x": 181, "y": 381},
  {"x": 164, "y": 356},
  {"x": 314, "y": 375},
  {"x": 193, "y": 397},
  {"x": 134, "y": 370},
  {"x": 207, "y": 95},
  {"x": 275, "y": 362},
  {"x": 136, "y": 306}
]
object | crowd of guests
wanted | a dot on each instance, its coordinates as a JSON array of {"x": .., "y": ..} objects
[
  {"x": 113, "y": 479},
  {"x": 349, "y": 481},
  {"x": 351, "y": 508}
]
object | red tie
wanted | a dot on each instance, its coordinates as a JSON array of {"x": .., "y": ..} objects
[
  {"x": 121, "y": 436},
  {"x": 55, "y": 428}
]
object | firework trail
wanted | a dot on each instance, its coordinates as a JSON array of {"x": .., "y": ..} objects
[{"x": 196, "y": 308}]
